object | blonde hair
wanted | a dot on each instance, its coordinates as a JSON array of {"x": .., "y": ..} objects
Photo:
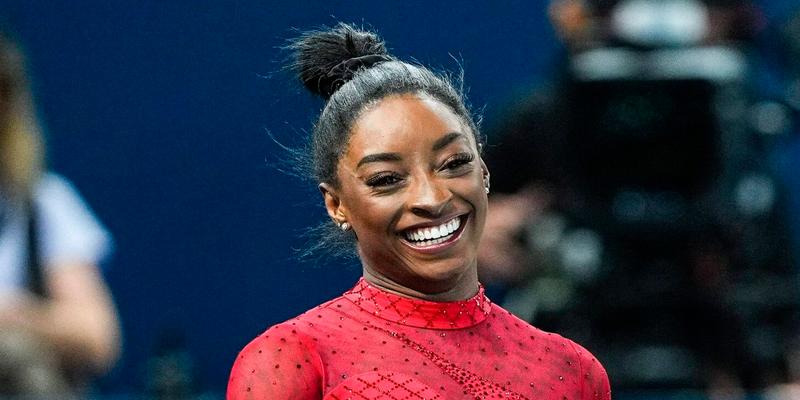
[{"x": 21, "y": 143}]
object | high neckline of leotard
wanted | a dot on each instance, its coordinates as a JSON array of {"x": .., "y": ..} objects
[{"x": 420, "y": 313}]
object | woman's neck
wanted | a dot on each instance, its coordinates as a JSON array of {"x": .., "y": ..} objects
[{"x": 461, "y": 288}]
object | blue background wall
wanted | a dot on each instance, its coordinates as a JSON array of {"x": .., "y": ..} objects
[{"x": 158, "y": 111}]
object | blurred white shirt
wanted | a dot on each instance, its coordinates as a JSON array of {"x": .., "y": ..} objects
[{"x": 68, "y": 234}]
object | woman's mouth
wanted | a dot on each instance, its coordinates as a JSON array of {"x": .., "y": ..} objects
[{"x": 430, "y": 237}]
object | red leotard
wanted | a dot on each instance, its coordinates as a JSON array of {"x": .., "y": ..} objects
[{"x": 369, "y": 344}]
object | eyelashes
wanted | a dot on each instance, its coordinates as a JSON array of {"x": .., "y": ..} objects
[
  {"x": 453, "y": 166},
  {"x": 458, "y": 161},
  {"x": 384, "y": 179}
]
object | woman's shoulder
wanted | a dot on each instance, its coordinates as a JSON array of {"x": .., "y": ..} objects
[
  {"x": 52, "y": 185},
  {"x": 276, "y": 338},
  {"x": 296, "y": 333},
  {"x": 510, "y": 322},
  {"x": 553, "y": 346},
  {"x": 282, "y": 360},
  {"x": 551, "y": 340}
]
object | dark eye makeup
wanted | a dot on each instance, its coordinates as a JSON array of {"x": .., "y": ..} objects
[
  {"x": 383, "y": 180},
  {"x": 455, "y": 164},
  {"x": 457, "y": 161}
]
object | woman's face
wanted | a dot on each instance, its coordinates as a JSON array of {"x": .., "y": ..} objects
[{"x": 412, "y": 188}]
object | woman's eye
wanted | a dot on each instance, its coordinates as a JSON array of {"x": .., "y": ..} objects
[
  {"x": 458, "y": 161},
  {"x": 383, "y": 180}
]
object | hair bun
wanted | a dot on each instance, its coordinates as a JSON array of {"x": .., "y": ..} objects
[{"x": 324, "y": 60}]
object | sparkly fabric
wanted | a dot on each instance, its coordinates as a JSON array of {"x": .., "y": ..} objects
[
  {"x": 372, "y": 345},
  {"x": 420, "y": 314}
]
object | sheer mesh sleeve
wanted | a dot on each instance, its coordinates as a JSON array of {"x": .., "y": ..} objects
[
  {"x": 279, "y": 364},
  {"x": 594, "y": 376}
]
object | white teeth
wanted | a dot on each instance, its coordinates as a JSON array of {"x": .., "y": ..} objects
[{"x": 434, "y": 235}]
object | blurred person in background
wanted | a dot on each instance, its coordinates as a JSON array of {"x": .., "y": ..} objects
[
  {"x": 58, "y": 324},
  {"x": 635, "y": 208}
]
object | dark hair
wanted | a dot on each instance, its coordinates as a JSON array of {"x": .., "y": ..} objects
[{"x": 351, "y": 69}]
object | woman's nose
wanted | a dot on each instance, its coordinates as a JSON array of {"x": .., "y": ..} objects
[{"x": 429, "y": 197}]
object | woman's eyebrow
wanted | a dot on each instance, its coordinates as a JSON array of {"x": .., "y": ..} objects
[
  {"x": 378, "y": 157},
  {"x": 443, "y": 141},
  {"x": 440, "y": 143}
]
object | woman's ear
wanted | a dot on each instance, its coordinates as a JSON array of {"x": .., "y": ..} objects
[
  {"x": 332, "y": 203},
  {"x": 486, "y": 176}
]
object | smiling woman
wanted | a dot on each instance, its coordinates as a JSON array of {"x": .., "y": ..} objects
[
  {"x": 397, "y": 157},
  {"x": 411, "y": 184}
]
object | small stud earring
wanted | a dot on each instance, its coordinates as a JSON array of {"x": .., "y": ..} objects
[
  {"x": 344, "y": 226},
  {"x": 486, "y": 183}
]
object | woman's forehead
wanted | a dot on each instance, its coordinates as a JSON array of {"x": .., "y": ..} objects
[{"x": 405, "y": 121}]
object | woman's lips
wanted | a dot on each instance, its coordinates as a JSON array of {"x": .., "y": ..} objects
[{"x": 435, "y": 238}]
